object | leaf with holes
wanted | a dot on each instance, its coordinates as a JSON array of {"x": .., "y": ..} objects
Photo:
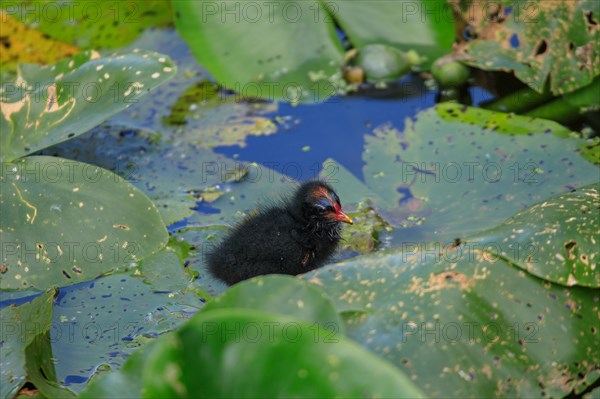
[
  {"x": 462, "y": 322},
  {"x": 556, "y": 239},
  {"x": 51, "y": 104},
  {"x": 538, "y": 41},
  {"x": 64, "y": 222}
]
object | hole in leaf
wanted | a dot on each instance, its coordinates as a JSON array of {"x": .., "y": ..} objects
[
  {"x": 569, "y": 245},
  {"x": 5, "y": 41},
  {"x": 541, "y": 47},
  {"x": 589, "y": 19}
]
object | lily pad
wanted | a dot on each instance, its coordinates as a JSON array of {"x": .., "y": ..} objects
[
  {"x": 216, "y": 118},
  {"x": 556, "y": 239},
  {"x": 463, "y": 322},
  {"x": 280, "y": 51},
  {"x": 98, "y": 324},
  {"x": 170, "y": 173},
  {"x": 454, "y": 161},
  {"x": 112, "y": 223},
  {"x": 54, "y": 103}
]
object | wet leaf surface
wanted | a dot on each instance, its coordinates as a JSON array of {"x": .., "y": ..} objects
[{"x": 99, "y": 324}]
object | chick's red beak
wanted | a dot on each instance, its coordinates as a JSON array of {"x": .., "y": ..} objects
[{"x": 342, "y": 217}]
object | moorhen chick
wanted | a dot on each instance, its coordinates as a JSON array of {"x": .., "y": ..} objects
[{"x": 294, "y": 237}]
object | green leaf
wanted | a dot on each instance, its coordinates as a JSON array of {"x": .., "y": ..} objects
[
  {"x": 556, "y": 239},
  {"x": 283, "y": 295},
  {"x": 462, "y": 322},
  {"x": 281, "y": 51},
  {"x": 425, "y": 26},
  {"x": 539, "y": 40},
  {"x": 26, "y": 353},
  {"x": 454, "y": 161},
  {"x": 51, "y": 104},
  {"x": 111, "y": 224}
]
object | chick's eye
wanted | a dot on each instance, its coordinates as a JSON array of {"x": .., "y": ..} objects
[{"x": 324, "y": 205}]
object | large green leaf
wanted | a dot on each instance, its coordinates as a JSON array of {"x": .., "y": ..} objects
[
  {"x": 25, "y": 353},
  {"x": 454, "y": 161},
  {"x": 284, "y": 295},
  {"x": 51, "y": 104},
  {"x": 538, "y": 40},
  {"x": 425, "y": 26},
  {"x": 65, "y": 222},
  {"x": 462, "y": 322},
  {"x": 556, "y": 240},
  {"x": 281, "y": 51},
  {"x": 247, "y": 354}
]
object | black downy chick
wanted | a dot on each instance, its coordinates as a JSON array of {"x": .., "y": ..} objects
[{"x": 295, "y": 237}]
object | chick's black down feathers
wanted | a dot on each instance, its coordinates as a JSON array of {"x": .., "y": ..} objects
[{"x": 295, "y": 237}]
